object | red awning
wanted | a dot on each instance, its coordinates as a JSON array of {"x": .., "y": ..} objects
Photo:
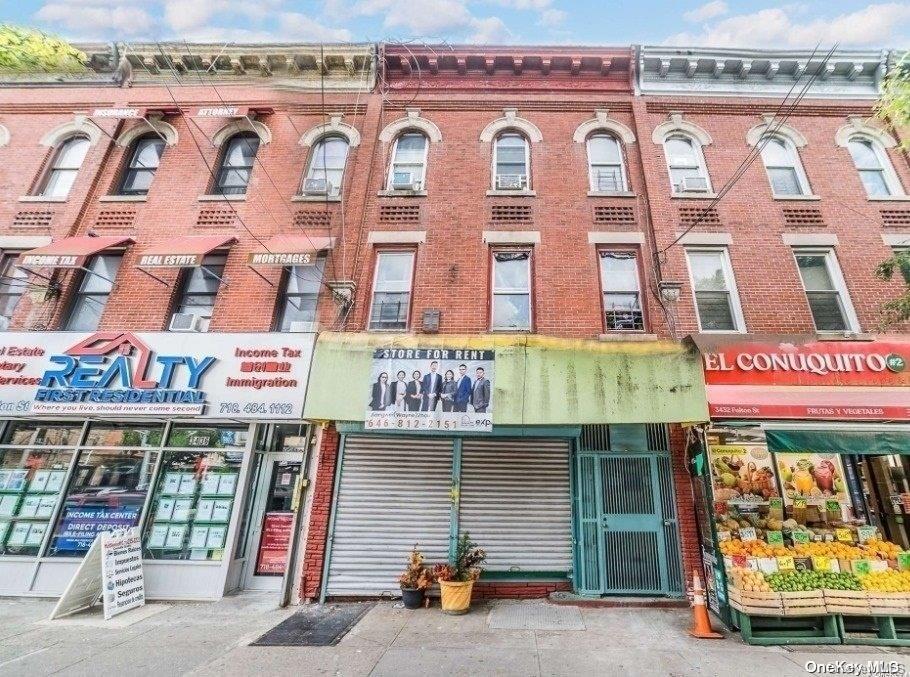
[
  {"x": 183, "y": 252},
  {"x": 290, "y": 250},
  {"x": 70, "y": 252}
]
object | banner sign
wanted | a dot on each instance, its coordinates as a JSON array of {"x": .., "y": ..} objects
[
  {"x": 119, "y": 113},
  {"x": 225, "y": 111},
  {"x": 431, "y": 389},
  {"x": 281, "y": 258},
  {"x": 52, "y": 260},
  {"x": 239, "y": 376},
  {"x": 274, "y": 543},
  {"x": 81, "y": 524},
  {"x": 122, "y": 579},
  {"x": 170, "y": 260}
]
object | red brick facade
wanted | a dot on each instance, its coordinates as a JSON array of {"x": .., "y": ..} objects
[{"x": 320, "y": 512}]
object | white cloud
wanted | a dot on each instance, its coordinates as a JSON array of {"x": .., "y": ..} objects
[
  {"x": 436, "y": 17},
  {"x": 707, "y": 11},
  {"x": 96, "y": 20},
  {"x": 551, "y": 18},
  {"x": 300, "y": 27},
  {"x": 489, "y": 30},
  {"x": 875, "y": 25}
]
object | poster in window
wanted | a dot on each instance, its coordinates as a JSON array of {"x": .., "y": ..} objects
[
  {"x": 19, "y": 533},
  {"x": 204, "y": 509},
  {"x": 198, "y": 537},
  {"x": 4, "y": 478},
  {"x": 8, "y": 505},
  {"x": 816, "y": 477},
  {"x": 431, "y": 389},
  {"x": 175, "y": 535},
  {"x": 29, "y": 506},
  {"x": 182, "y": 510},
  {"x": 39, "y": 481},
  {"x": 221, "y": 510},
  {"x": 216, "y": 537},
  {"x": 17, "y": 480},
  {"x": 157, "y": 535},
  {"x": 46, "y": 506},
  {"x": 55, "y": 481},
  {"x": 187, "y": 484},
  {"x": 36, "y": 534},
  {"x": 742, "y": 473},
  {"x": 4, "y": 529},
  {"x": 227, "y": 484},
  {"x": 165, "y": 509},
  {"x": 210, "y": 483},
  {"x": 171, "y": 483}
]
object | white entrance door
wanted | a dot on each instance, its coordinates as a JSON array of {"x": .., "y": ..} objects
[{"x": 272, "y": 520}]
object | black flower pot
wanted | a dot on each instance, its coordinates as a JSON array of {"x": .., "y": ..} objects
[{"x": 412, "y": 597}]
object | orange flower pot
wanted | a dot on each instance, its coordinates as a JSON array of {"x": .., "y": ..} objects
[{"x": 456, "y": 596}]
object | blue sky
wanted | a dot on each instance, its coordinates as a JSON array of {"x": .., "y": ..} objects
[{"x": 699, "y": 22}]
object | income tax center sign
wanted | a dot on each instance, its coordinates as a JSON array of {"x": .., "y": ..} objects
[{"x": 260, "y": 376}]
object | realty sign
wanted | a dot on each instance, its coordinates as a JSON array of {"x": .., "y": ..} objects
[{"x": 241, "y": 376}]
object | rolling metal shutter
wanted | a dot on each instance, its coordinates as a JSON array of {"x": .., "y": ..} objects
[
  {"x": 394, "y": 492},
  {"x": 516, "y": 503}
]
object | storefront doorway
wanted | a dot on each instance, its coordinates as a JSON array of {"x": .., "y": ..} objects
[
  {"x": 274, "y": 516},
  {"x": 626, "y": 519}
]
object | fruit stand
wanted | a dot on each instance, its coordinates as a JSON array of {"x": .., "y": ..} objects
[{"x": 793, "y": 559}]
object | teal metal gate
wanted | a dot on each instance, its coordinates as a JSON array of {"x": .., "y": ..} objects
[{"x": 627, "y": 536}]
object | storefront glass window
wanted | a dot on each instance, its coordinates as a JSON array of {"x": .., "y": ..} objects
[
  {"x": 124, "y": 436},
  {"x": 212, "y": 437},
  {"x": 192, "y": 507},
  {"x": 39, "y": 434},
  {"x": 31, "y": 482},
  {"x": 107, "y": 491}
]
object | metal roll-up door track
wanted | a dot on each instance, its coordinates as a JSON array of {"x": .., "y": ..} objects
[
  {"x": 516, "y": 503},
  {"x": 394, "y": 492}
]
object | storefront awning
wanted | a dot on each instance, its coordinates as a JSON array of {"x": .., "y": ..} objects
[
  {"x": 70, "y": 252},
  {"x": 538, "y": 380},
  {"x": 183, "y": 252},
  {"x": 806, "y": 377},
  {"x": 290, "y": 250},
  {"x": 839, "y": 441}
]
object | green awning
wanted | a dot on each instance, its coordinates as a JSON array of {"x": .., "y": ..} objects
[
  {"x": 839, "y": 442},
  {"x": 539, "y": 380}
]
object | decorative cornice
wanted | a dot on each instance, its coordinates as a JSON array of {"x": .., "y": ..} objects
[
  {"x": 740, "y": 72},
  {"x": 332, "y": 127},
  {"x": 603, "y": 122},
  {"x": 143, "y": 127},
  {"x": 239, "y": 125},
  {"x": 677, "y": 124},
  {"x": 79, "y": 125},
  {"x": 860, "y": 126},
  {"x": 510, "y": 120},
  {"x": 776, "y": 128},
  {"x": 411, "y": 121}
]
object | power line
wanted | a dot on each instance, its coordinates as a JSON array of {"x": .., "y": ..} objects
[{"x": 766, "y": 138}]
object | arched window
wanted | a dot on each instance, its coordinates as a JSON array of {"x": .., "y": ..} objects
[
  {"x": 605, "y": 164},
  {"x": 785, "y": 172},
  {"x": 140, "y": 171},
  {"x": 325, "y": 171},
  {"x": 874, "y": 167},
  {"x": 409, "y": 162},
  {"x": 686, "y": 165},
  {"x": 236, "y": 164},
  {"x": 511, "y": 162},
  {"x": 65, "y": 166}
]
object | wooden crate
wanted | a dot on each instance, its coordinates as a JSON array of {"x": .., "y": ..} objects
[
  {"x": 778, "y": 630},
  {"x": 847, "y": 602},
  {"x": 808, "y": 603},
  {"x": 889, "y": 603},
  {"x": 876, "y": 630},
  {"x": 755, "y": 603}
]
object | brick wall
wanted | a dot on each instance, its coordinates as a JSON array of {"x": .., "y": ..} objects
[
  {"x": 323, "y": 485},
  {"x": 517, "y": 589}
]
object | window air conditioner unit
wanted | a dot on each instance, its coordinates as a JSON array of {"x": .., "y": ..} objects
[
  {"x": 299, "y": 327},
  {"x": 510, "y": 181},
  {"x": 694, "y": 184},
  {"x": 185, "y": 322},
  {"x": 404, "y": 181},
  {"x": 316, "y": 187}
]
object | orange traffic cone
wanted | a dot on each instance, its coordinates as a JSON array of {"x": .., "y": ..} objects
[{"x": 701, "y": 624}]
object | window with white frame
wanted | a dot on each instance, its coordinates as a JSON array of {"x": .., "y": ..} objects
[
  {"x": 874, "y": 167},
  {"x": 606, "y": 166},
  {"x": 686, "y": 165},
  {"x": 140, "y": 170},
  {"x": 325, "y": 172},
  {"x": 511, "y": 162},
  {"x": 785, "y": 172},
  {"x": 392, "y": 290},
  {"x": 236, "y": 164},
  {"x": 409, "y": 162},
  {"x": 511, "y": 307},
  {"x": 716, "y": 298},
  {"x": 198, "y": 291},
  {"x": 299, "y": 295},
  {"x": 61, "y": 175},
  {"x": 12, "y": 285},
  {"x": 825, "y": 290},
  {"x": 620, "y": 284},
  {"x": 903, "y": 262},
  {"x": 93, "y": 292}
]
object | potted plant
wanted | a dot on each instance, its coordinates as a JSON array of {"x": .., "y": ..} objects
[
  {"x": 414, "y": 581},
  {"x": 456, "y": 579}
]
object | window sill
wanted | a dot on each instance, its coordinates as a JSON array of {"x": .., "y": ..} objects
[
  {"x": 511, "y": 193},
  {"x": 627, "y": 336},
  {"x": 402, "y": 193},
  {"x": 694, "y": 196},
  {"x": 843, "y": 336},
  {"x": 889, "y": 198},
  {"x": 41, "y": 198},
  {"x": 389, "y": 331},
  {"x": 797, "y": 198},
  {"x": 123, "y": 198},
  {"x": 510, "y": 330},
  {"x": 602, "y": 193},
  {"x": 316, "y": 198},
  {"x": 222, "y": 198}
]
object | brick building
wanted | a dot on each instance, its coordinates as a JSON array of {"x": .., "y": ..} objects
[{"x": 545, "y": 217}]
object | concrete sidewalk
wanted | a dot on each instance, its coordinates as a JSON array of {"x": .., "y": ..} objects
[{"x": 212, "y": 639}]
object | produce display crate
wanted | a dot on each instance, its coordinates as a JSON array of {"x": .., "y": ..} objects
[
  {"x": 847, "y": 602},
  {"x": 779, "y": 630},
  {"x": 755, "y": 603},
  {"x": 874, "y": 630},
  {"x": 808, "y": 603},
  {"x": 889, "y": 603}
]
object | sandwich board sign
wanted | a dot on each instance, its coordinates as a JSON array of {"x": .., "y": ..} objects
[{"x": 112, "y": 570}]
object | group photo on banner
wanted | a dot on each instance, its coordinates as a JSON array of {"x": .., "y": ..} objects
[{"x": 431, "y": 389}]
